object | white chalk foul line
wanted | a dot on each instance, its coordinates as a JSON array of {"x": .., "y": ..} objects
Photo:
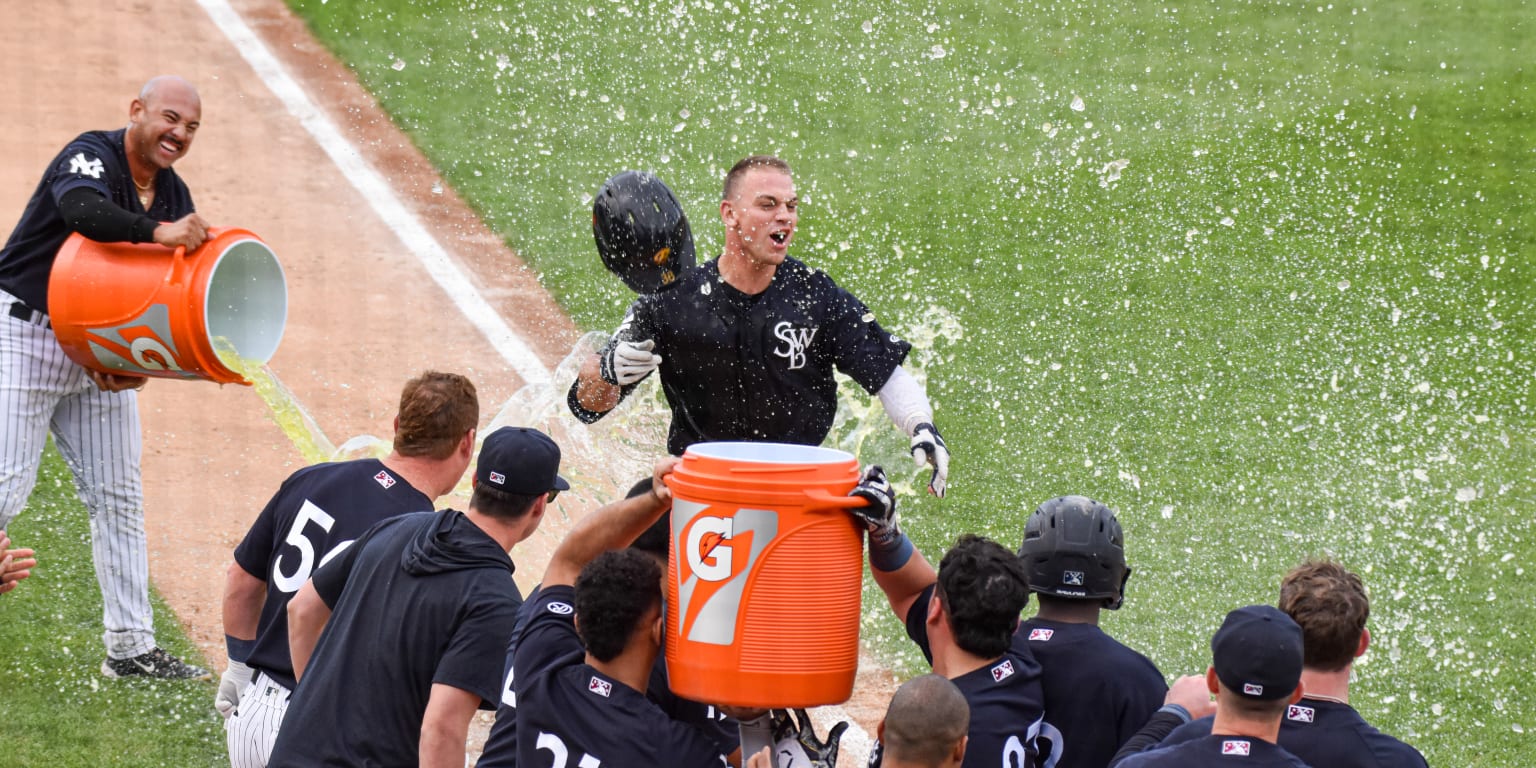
[
  {"x": 409, "y": 229},
  {"x": 399, "y": 218}
]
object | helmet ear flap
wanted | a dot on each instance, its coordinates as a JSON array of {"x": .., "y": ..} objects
[{"x": 1114, "y": 603}]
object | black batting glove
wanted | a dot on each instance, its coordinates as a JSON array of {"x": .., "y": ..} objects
[{"x": 795, "y": 744}]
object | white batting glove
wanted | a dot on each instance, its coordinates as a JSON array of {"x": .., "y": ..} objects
[
  {"x": 928, "y": 448},
  {"x": 627, "y": 362},
  {"x": 234, "y": 680},
  {"x": 880, "y": 515}
]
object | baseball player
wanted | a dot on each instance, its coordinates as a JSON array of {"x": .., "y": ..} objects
[
  {"x": 390, "y": 640},
  {"x": 1098, "y": 692},
  {"x": 318, "y": 512},
  {"x": 110, "y": 186},
  {"x": 584, "y": 659},
  {"x": 501, "y": 745},
  {"x": 963, "y": 618},
  {"x": 1255, "y": 673},
  {"x": 925, "y": 725},
  {"x": 1330, "y": 605},
  {"x": 747, "y": 343}
]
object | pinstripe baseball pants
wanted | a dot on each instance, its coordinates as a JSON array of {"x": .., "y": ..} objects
[
  {"x": 42, "y": 390},
  {"x": 251, "y": 729}
]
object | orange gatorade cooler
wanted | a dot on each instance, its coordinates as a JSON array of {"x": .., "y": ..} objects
[
  {"x": 148, "y": 310},
  {"x": 764, "y": 575}
]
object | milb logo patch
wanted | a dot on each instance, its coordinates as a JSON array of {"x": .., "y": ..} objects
[
  {"x": 1236, "y": 748},
  {"x": 1041, "y": 634},
  {"x": 384, "y": 479},
  {"x": 1251, "y": 689},
  {"x": 1072, "y": 578},
  {"x": 1301, "y": 714},
  {"x": 600, "y": 687},
  {"x": 1002, "y": 671}
]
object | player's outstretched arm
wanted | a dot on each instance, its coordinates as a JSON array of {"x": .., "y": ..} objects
[
  {"x": 900, "y": 570},
  {"x": 611, "y": 526},
  {"x": 907, "y": 405},
  {"x": 591, "y": 398},
  {"x": 307, "y": 615}
]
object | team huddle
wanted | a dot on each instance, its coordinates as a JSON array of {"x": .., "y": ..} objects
[{"x": 365, "y": 628}]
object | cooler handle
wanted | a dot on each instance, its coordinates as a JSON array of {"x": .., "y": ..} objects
[
  {"x": 826, "y": 500},
  {"x": 178, "y": 264}
]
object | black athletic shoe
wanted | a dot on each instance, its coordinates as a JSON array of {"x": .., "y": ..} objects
[{"x": 157, "y": 664}]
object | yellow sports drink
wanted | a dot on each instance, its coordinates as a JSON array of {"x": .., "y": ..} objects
[{"x": 764, "y": 575}]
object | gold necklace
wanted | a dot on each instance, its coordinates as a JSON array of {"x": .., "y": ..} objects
[{"x": 146, "y": 192}]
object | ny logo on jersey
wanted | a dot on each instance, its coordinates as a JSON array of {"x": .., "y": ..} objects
[
  {"x": 1002, "y": 671},
  {"x": 1235, "y": 747},
  {"x": 384, "y": 479},
  {"x": 600, "y": 687},
  {"x": 1041, "y": 634},
  {"x": 1301, "y": 714},
  {"x": 85, "y": 166},
  {"x": 796, "y": 341},
  {"x": 1072, "y": 578}
]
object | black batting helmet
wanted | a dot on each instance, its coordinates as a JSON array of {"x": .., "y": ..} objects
[
  {"x": 641, "y": 231},
  {"x": 1073, "y": 548}
]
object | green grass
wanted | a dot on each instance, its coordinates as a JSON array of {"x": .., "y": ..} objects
[
  {"x": 56, "y": 707},
  {"x": 1299, "y": 322}
]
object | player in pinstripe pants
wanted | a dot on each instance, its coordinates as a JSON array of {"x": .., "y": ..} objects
[{"x": 110, "y": 186}]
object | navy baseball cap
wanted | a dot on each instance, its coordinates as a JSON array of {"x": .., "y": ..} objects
[
  {"x": 1257, "y": 653},
  {"x": 520, "y": 460}
]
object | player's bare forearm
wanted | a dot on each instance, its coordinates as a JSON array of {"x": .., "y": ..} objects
[
  {"x": 307, "y": 615},
  {"x": 903, "y": 585},
  {"x": 611, "y": 526},
  {"x": 445, "y": 726},
  {"x": 592, "y": 393},
  {"x": 244, "y": 596}
]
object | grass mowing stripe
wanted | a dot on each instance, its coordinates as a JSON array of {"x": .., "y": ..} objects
[
  {"x": 58, "y": 710},
  {"x": 1251, "y": 273}
]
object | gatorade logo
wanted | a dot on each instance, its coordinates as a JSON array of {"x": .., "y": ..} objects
[
  {"x": 717, "y": 554},
  {"x": 141, "y": 343}
]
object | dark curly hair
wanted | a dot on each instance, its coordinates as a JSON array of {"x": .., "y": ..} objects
[
  {"x": 983, "y": 587},
  {"x": 613, "y": 593}
]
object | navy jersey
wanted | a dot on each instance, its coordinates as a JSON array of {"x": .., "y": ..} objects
[
  {"x": 501, "y": 745},
  {"x": 96, "y": 160},
  {"x": 1325, "y": 733},
  {"x": 420, "y": 599},
  {"x": 317, "y": 512},
  {"x": 1217, "y": 752},
  {"x": 759, "y": 368},
  {"x": 1005, "y": 699},
  {"x": 1098, "y": 692},
  {"x": 578, "y": 716}
]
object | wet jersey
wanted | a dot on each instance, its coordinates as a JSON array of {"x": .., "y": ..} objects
[
  {"x": 1098, "y": 692},
  {"x": 759, "y": 368},
  {"x": 96, "y": 160},
  {"x": 1325, "y": 733},
  {"x": 420, "y": 600},
  {"x": 1217, "y": 752},
  {"x": 577, "y": 716},
  {"x": 318, "y": 511},
  {"x": 501, "y": 744},
  {"x": 1005, "y": 699}
]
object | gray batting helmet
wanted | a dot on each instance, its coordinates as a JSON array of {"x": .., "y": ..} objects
[
  {"x": 641, "y": 231},
  {"x": 1073, "y": 547}
]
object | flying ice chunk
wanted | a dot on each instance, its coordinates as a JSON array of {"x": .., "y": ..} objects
[
  {"x": 398, "y": 65},
  {"x": 1227, "y": 221},
  {"x": 868, "y": 27},
  {"x": 937, "y": 52},
  {"x": 1466, "y": 494},
  {"x": 1077, "y": 103},
  {"x": 1110, "y": 173}
]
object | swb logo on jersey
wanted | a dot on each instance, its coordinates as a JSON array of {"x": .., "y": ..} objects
[
  {"x": 1301, "y": 714},
  {"x": 1236, "y": 747},
  {"x": 796, "y": 341},
  {"x": 715, "y": 554}
]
